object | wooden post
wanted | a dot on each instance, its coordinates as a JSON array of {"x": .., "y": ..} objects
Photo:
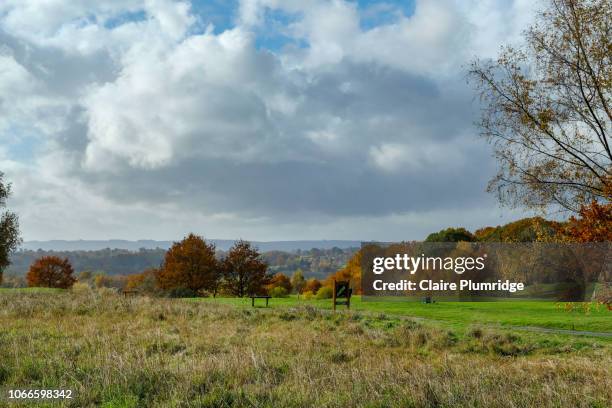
[
  {"x": 334, "y": 295},
  {"x": 348, "y": 299}
]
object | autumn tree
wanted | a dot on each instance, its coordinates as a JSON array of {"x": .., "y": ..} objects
[
  {"x": 102, "y": 280},
  {"x": 547, "y": 108},
  {"x": 244, "y": 271},
  {"x": 298, "y": 281},
  {"x": 144, "y": 282},
  {"x": 312, "y": 285},
  {"x": 189, "y": 265},
  {"x": 594, "y": 224},
  {"x": 9, "y": 228},
  {"x": 280, "y": 280},
  {"x": 51, "y": 272},
  {"x": 350, "y": 272},
  {"x": 523, "y": 230},
  {"x": 451, "y": 235}
]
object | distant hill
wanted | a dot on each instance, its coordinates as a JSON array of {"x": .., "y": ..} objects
[
  {"x": 314, "y": 263},
  {"x": 222, "y": 244}
]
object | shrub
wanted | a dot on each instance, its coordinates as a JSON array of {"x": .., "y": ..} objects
[
  {"x": 106, "y": 292},
  {"x": 13, "y": 281},
  {"x": 307, "y": 295},
  {"x": 116, "y": 282},
  {"x": 144, "y": 282},
  {"x": 182, "y": 293},
  {"x": 80, "y": 287},
  {"x": 278, "y": 292},
  {"x": 325, "y": 293}
]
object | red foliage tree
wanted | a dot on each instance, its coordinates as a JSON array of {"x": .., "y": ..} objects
[
  {"x": 593, "y": 225},
  {"x": 51, "y": 272},
  {"x": 244, "y": 270},
  {"x": 189, "y": 264}
]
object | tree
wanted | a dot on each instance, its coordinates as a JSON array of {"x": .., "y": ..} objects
[
  {"x": 189, "y": 264},
  {"x": 547, "y": 108},
  {"x": 351, "y": 272},
  {"x": 280, "y": 280},
  {"x": 145, "y": 282},
  {"x": 312, "y": 285},
  {"x": 593, "y": 225},
  {"x": 9, "y": 228},
  {"x": 523, "y": 230},
  {"x": 245, "y": 273},
  {"x": 298, "y": 281},
  {"x": 451, "y": 235},
  {"x": 51, "y": 272}
]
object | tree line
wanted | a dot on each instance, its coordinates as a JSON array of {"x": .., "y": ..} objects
[
  {"x": 314, "y": 262},
  {"x": 189, "y": 268}
]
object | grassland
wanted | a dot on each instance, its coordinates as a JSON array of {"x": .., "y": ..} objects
[
  {"x": 30, "y": 290},
  {"x": 137, "y": 352},
  {"x": 506, "y": 314}
]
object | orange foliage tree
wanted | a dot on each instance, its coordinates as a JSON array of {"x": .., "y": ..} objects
[
  {"x": 190, "y": 264},
  {"x": 351, "y": 272},
  {"x": 594, "y": 223},
  {"x": 312, "y": 285},
  {"x": 280, "y": 280},
  {"x": 51, "y": 272},
  {"x": 142, "y": 282}
]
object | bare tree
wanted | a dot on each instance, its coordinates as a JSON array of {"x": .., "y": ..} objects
[{"x": 547, "y": 108}]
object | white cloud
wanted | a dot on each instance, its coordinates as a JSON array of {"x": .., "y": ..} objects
[
  {"x": 137, "y": 112},
  {"x": 205, "y": 96},
  {"x": 420, "y": 157}
]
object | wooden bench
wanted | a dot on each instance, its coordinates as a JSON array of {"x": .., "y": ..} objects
[{"x": 259, "y": 297}]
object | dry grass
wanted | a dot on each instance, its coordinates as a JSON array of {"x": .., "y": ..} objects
[{"x": 118, "y": 352}]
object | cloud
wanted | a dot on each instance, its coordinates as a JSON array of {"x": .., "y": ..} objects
[{"x": 132, "y": 116}]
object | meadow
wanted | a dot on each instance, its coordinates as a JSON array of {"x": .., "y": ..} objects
[
  {"x": 509, "y": 314},
  {"x": 114, "y": 351}
]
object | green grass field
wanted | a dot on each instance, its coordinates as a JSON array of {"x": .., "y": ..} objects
[
  {"x": 505, "y": 314},
  {"x": 509, "y": 313}
]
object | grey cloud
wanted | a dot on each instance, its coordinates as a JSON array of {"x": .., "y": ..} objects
[
  {"x": 62, "y": 73},
  {"x": 249, "y": 135},
  {"x": 304, "y": 177}
]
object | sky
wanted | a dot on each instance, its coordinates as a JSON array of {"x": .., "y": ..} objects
[{"x": 255, "y": 119}]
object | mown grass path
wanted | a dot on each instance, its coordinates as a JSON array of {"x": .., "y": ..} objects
[{"x": 529, "y": 315}]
